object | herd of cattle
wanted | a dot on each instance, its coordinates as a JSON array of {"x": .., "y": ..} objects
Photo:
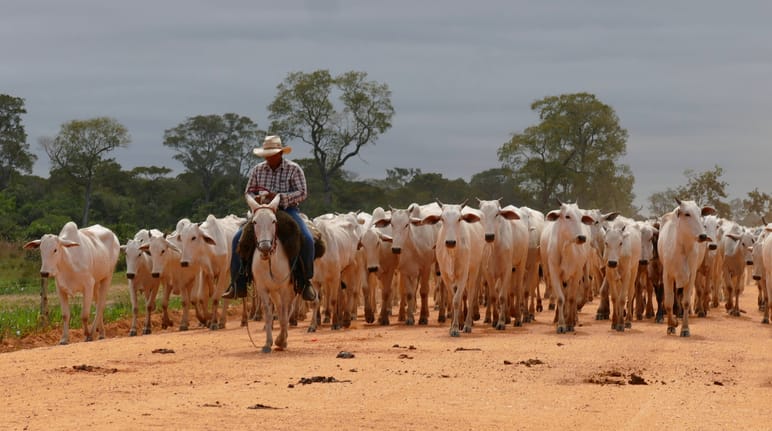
[{"x": 492, "y": 256}]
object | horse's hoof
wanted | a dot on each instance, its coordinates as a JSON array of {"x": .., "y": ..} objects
[{"x": 266, "y": 349}]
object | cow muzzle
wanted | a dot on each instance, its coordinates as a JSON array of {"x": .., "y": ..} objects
[
  {"x": 756, "y": 277},
  {"x": 184, "y": 264},
  {"x": 712, "y": 246},
  {"x": 44, "y": 274},
  {"x": 130, "y": 275},
  {"x": 489, "y": 237},
  {"x": 612, "y": 263},
  {"x": 643, "y": 262},
  {"x": 450, "y": 243},
  {"x": 396, "y": 250},
  {"x": 581, "y": 239},
  {"x": 155, "y": 274},
  {"x": 749, "y": 262},
  {"x": 372, "y": 269}
]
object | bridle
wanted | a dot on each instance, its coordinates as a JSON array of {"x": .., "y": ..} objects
[{"x": 266, "y": 254}]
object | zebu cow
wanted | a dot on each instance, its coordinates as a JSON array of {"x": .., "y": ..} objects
[
  {"x": 766, "y": 253},
  {"x": 340, "y": 236},
  {"x": 271, "y": 271},
  {"x": 644, "y": 288},
  {"x": 139, "y": 266},
  {"x": 504, "y": 262},
  {"x": 759, "y": 272},
  {"x": 81, "y": 261},
  {"x": 681, "y": 247},
  {"x": 535, "y": 221},
  {"x": 206, "y": 248},
  {"x": 708, "y": 275},
  {"x": 459, "y": 251},
  {"x": 622, "y": 255},
  {"x": 563, "y": 257},
  {"x": 414, "y": 245},
  {"x": 165, "y": 259},
  {"x": 380, "y": 262},
  {"x": 736, "y": 246}
]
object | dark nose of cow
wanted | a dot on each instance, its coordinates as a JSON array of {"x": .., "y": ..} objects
[
  {"x": 130, "y": 275},
  {"x": 712, "y": 246},
  {"x": 155, "y": 274},
  {"x": 489, "y": 237},
  {"x": 612, "y": 263},
  {"x": 184, "y": 263},
  {"x": 396, "y": 250},
  {"x": 703, "y": 237},
  {"x": 372, "y": 269},
  {"x": 757, "y": 277},
  {"x": 44, "y": 274},
  {"x": 643, "y": 262},
  {"x": 749, "y": 262},
  {"x": 581, "y": 239},
  {"x": 451, "y": 243}
]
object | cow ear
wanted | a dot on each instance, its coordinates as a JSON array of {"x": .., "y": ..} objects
[
  {"x": 733, "y": 236},
  {"x": 610, "y": 216},
  {"x": 67, "y": 243},
  {"x": 706, "y": 210},
  {"x": 553, "y": 215},
  {"x": 384, "y": 237},
  {"x": 123, "y": 247},
  {"x": 588, "y": 220},
  {"x": 509, "y": 214},
  {"x": 382, "y": 222},
  {"x": 32, "y": 244},
  {"x": 431, "y": 219},
  {"x": 208, "y": 239},
  {"x": 470, "y": 217}
]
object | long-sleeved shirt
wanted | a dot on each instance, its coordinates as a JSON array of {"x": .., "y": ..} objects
[{"x": 288, "y": 180}]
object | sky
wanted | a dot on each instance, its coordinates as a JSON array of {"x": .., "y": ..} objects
[{"x": 691, "y": 81}]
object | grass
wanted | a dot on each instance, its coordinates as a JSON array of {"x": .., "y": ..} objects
[{"x": 20, "y": 296}]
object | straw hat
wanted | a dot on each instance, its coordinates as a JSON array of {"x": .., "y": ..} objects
[{"x": 271, "y": 146}]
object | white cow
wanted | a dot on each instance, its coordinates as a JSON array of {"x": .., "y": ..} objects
[
  {"x": 138, "y": 272},
  {"x": 206, "y": 248},
  {"x": 459, "y": 250},
  {"x": 381, "y": 264},
  {"x": 563, "y": 255},
  {"x": 165, "y": 259},
  {"x": 681, "y": 248},
  {"x": 504, "y": 262},
  {"x": 766, "y": 253},
  {"x": 736, "y": 246},
  {"x": 709, "y": 274},
  {"x": 535, "y": 222},
  {"x": 414, "y": 243},
  {"x": 81, "y": 261},
  {"x": 340, "y": 237},
  {"x": 759, "y": 272},
  {"x": 643, "y": 284},
  {"x": 622, "y": 255}
]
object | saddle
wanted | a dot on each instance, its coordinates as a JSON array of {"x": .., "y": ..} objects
[{"x": 289, "y": 236}]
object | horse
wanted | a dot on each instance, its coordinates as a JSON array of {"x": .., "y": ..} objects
[{"x": 271, "y": 271}]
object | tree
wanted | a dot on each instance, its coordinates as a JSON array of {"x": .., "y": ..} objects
[
  {"x": 80, "y": 149},
  {"x": 705, "y": 188},
  {"x": 303, "y": 109},
  {"x": 14, "y": 149},
  {"x": 214, "y": 148},
  {"x": 757, "y": 208},
  {"x": 572, "y": 154}
]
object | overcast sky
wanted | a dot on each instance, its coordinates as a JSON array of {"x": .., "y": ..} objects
[{"x": 689, "y": 80}]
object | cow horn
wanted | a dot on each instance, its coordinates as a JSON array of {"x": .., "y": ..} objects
[
  {"x": 678, "y": 201},
  {"x": 763, "y": 221}
]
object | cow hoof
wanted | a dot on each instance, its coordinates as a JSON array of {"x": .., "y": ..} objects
[
  {"x": 266, "y": 349},
  {"x": 183, "y": 327},
  {"x": 619, "y": 327},
  {"x": 454, "y": 332},
  {"x": 423, "y": 321},
  {"x": 335, "y": 327},
  {"x": 685, "y": 332},
  {"x": 410, "y": 322},
  {"x": 500, "y": 326},
  {"x": 384, "y": 322},
  {"x": 518, "y": 323},
  {"x": 702, "y": 314},
  {"x": 599, "y": 316},
  {"x": 659, "y": 320},
  {"x": 370, "y": 319},
  {"x": 326, "y": 320},
  {"x": 244, "y": 323},
  {"x": 133, "y": 333},
  {"x": 735, "y": 313},
  {"x": 311, "y": 329},
  {"x": 146, "y": 331},
  {"x": 765, "y": 321},
  {"x": 488, "y": 320},
  {"x": 671, "y": 330},
  {"x": 561, "y": 330},
  {"x": 467, "y": 329},
  {"x": 551, "y": 307},
  {"x": 89, "y": 338},
  {"x": 63, "y": 342},
  {"x": 441, "y": 319},
  {"x": 539, "y": 308},
  {"x": 570, "y": 328},
  {"x": 628, "y": 325}
]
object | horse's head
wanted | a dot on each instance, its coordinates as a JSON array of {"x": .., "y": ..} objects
[{"x": 265, "y": 225}]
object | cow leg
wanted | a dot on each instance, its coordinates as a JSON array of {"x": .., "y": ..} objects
[
  {"x": 669, "y": 294},
  {"x": 501, "y": 305},
  {"x": 604, "y": 306},
  {"x": 134, "y": 308},
  {"x": 185, "y": 308},
  {"x": 768, "y": 289},
  {"x": 149, "y": 308},
  {"x": 64, "y": 304},
  {"x": 458, "y": 296},
  {"x": 88, "y": 296},
  {"x": 444, "y": 299},
  {"x": 166, "y": 322},
  {"x": 411, "y": 288},
  {"x": 736, "y": 310},
  {"x": 423, "y": 318},
  {"x": 560, "y": 297},
  {"x": 386, "y": 288}
]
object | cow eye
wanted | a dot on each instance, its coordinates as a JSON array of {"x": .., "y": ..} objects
[
  {"x": 568, "y": 217},
  {"x": 688, "y": 215}
]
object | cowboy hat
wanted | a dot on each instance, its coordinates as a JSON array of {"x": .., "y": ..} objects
[{"x": 271, "y": 146}]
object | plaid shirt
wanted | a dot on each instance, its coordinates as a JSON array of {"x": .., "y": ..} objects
[{"x": 288, "y": 180}]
